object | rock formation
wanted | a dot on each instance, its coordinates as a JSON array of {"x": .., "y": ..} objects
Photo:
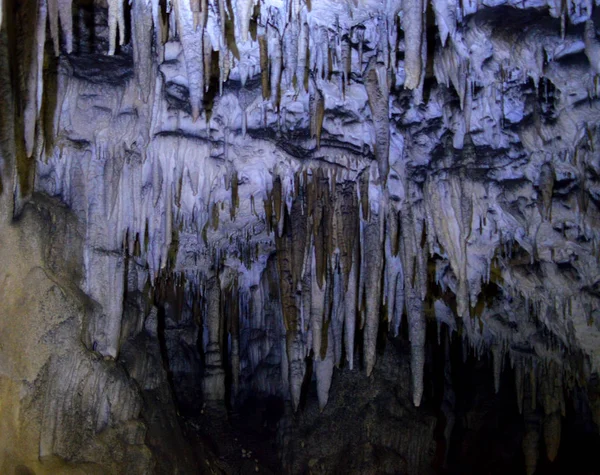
[{"x": 204, "y": 202}]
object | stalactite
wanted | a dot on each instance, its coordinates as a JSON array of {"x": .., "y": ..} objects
[
  {"x": 350, "y": 307},
  {"x": 275, "y": 58},
  {"x": 416, "y": 330},
  {"x": 378, "y": 94},
  {"x": 305, "y": 286},
  {"x": 317, "y": 308},
  {"x": 53, "y": 21},
  {"x": 301, "y": 68},
  {"x": 213, "y": 383},
  {"x": 65, "y": 8},
  {"x": 348, "y": 211},
  {"x": 337, "y": 313},
  {"x": 264, "y": 66},
  {"x": 35, "y": 81},
  {"x": 360, "y": 35},
  {"x": 234, "y": 330},
  {"x": 452, "y": 213},
  {"x": 192, "y": 40},
  {"x": 398, "y": 308},
  {"x": 244, "y": 12},
  {"x": 142, "y": 46},
  {"x": 224, "y": 67},
  {"x": 551, "y": 392},
  {"x": 318, "y": 203},
  {"x": 546, "y": 185},
  {"x": 159, "y": 27},
  {"x": 346, "y": 61},
  {"x": 531, "y": 450},
  {"x": 533, "y": 386},
  {"x": 445, "y": 18},
  {"x": 324, "y": 372},
  {"x": 412, "y": 24},
  {"x": 285, "y": 264},
  {"x": 222, "y": 22},
  {"x": 498, "y": 356},
  {"x": 316, "y": 107},
  {"x": 374, "y": 261},
  {"x": 116, "y": 24},
  {"x": 592, "y": 46},
  {"x": 279, "y": 210},
  {"x": 290, "y": 55},
  {"x": 552, "y": 430},
  {"x": 296, "y": 354},
  {"x": 519, "y": 384},
  {"x": 207, "y": 57},
  {"x": 531, "y": 439},
  {"x": 414, "y": 268}
]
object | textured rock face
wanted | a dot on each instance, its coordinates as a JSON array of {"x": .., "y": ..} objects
[
  {"x": 254, "y": 196},
  {"x": 51, "y": 386}
]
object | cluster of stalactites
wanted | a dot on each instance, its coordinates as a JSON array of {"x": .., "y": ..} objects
[
  {"x": 343, "y": 264},
  {"x": 348, "y": 259},
  {"x": 342, "y": 259},
  {"x": 541, "y": 392},
  {"x": 343, "y": 252},
  {"x": 289, "y": 42},
  {"x": 544, "y": 379}
]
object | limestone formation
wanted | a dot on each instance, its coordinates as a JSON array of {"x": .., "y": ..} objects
[{"x": 262, "y": 195}]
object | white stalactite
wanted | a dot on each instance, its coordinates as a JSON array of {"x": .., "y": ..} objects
[
  {"x": 158, "y": 29},
  {"x": 414, "y": 288},
  {"x": 324, "y": 372},
  {"x": 244, "y": 13},
  {"x": 378, "y": 94},
  {"x": 302, "y": 61},
  {"x": 116, "y": 25},
  {"x": 592, "y": 46},
  {"x": 412, "y": 24},
  {"x": 297, "y": 368},
  {"x": 445, "y": 18},
  {"x": 142, "y": 46},
  {"x": 192, "y": 40}
]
